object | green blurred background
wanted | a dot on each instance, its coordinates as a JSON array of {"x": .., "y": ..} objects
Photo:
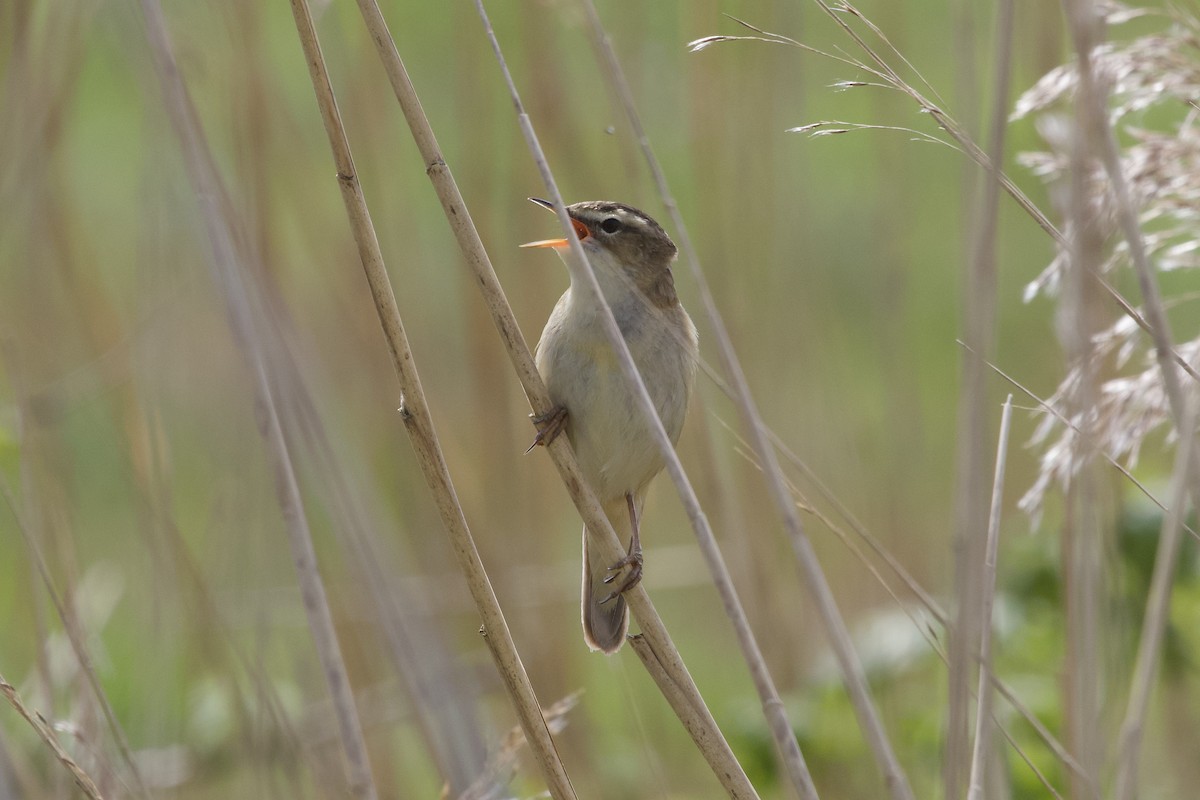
[{"x": 128, "y": 434}]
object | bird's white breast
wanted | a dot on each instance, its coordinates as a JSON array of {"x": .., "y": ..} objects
[{"x": 607, "y": 428}]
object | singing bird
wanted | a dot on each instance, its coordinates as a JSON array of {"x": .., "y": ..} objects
[{"x": 631, "y": 257}]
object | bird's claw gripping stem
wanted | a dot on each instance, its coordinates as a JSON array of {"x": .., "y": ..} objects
[
  {"x": 631, "y": 578},
  {"x": 549, "y": 426}
]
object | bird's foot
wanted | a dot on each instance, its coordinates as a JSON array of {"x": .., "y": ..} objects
[
  {"x": 632, "y": 564},
  {"x": 549, "y": 426}
]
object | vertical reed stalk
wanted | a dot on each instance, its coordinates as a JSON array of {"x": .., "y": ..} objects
[
  {"x": 1092, "y": 120},
  {"x": 983, "y": 708},
  {"x": 717, "y": 751},
  {"x": 848, "y": 662},
  {"x": 1158, "y": 606},
  {"x": 979, "y": 333},
  {"x": 46, "y": 734},
  {"x": 65, "y": 607},
  {"x": 229, "y": 274},
  {"x": 414, "y": 411}
]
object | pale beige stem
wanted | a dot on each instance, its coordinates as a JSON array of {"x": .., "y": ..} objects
[
  {"x": 728, "y": 772},
  {"x": 629, "y": 370},
  {"x": 983, "y": 708},
  {"x": 814, "y": 578},
  {"x": 1085, "y": 27},
  {"x": 77, "y": 637},
  {"x": 229, "y": 275},
  {"x": 414, "y": 411},
  {"x": 1158, "y": 606},
  {"x": 46, "y": 734},
  {"x": 979, "y": 330},
  {"x": 947, "y": 123},
  {"x": 680, "y": 700}
]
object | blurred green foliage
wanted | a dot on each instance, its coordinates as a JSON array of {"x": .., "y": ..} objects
[{"x": 128, "y": 435}]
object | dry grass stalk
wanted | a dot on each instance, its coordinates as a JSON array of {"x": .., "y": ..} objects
[
  {"x": 1158, "y": 604},
  {"x": 925, "y": 598},
  {"x": 1175, "y": 191},
  {"x": 848, "y": 662},
  {"x": 888, "y": 77},
  {"x": 1151, "y": 184},
  {"x": 983, "y": 709},
  {"x": 642, "y": 398},
  {"x": 979, "y": 323},
  {"x": 414, "y": 411},
  {"x": 1103, "y": 198},
  {"x": 46, "y": 734},
  {"x": 1083, "y": 529},
  {"x": 231, "y": 279},
  {"x": 787, "y": 747},
  {"x": 65, "y": 608},
  {"x": 501, "y": 766},
  {"x": 718, "y": 754}
]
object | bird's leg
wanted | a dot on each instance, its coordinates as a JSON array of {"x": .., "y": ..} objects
[
  {"x": 632, "y": 559},
  {"x": 549, "y": 426}
]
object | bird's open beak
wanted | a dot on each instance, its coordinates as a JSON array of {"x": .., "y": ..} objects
[{"x": 580, "y": 229}]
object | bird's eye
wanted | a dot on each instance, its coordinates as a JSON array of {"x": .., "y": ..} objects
[{"x": 611, "y": 225}]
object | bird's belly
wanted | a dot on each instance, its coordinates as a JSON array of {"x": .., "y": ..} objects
[
  {"x": 608, "y": 430},
  {"x": 611, "y": 435}
]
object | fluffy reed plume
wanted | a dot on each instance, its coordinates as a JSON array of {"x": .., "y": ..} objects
[{"x": 1153, "y": 83}]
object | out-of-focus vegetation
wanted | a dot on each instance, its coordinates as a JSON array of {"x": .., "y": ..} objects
[{"x": 128, "y": 433}]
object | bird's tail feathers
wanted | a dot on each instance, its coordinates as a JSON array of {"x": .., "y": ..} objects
[{"x": 604, "y": 624}]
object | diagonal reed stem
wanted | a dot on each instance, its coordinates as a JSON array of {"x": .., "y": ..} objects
[
  {"x": 962, "y": 139},
  {"x": 781, "y": 730},
  {"x": 814, "y": 577},
  {"x": 1085, "y": 27},
  {"x": 229, "y": 275},
  {"x": 47, "y": 735},
  {"x": 77, "y": 636},
  {"x": 979, "y": 330},
  {"x": 786, "y": 745},
  {"x": 983, "y": 708},
  {"x": 1158, "y": 605},
  {"x": 709, "y": 738},
  {"x": 414, "y": 411}
]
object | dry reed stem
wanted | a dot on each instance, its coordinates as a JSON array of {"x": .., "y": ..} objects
[
  {"x": 1158, "y": 604},
  {"x": 674, "y": 467},
  {"x": 501, "y": 765},
  {"x": 444, "y": 712},
  {"x": 983, "y": 710},
  {"x": 926, "y": 599},
  {"x": 946, "y": 122},
  {"x": 717, "y": 751},
  {"x": 1081, "y": 542},
  {"x": 787, "y": 747},
  {"x": 1141, "y": 487},
  {"x": 979, "y": 323},
  {"x": 46, "y": 734},
  {"x": 851, "y": 668},
  {"x": 1166, "y": 353},
  {"x": 1091, "y": 117},
  {"x": 64, "y": 607},
  {"x": 230, "y": 278},
  {"x": 414, "y": 411},
  {"x": 676, "y": 695}
]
